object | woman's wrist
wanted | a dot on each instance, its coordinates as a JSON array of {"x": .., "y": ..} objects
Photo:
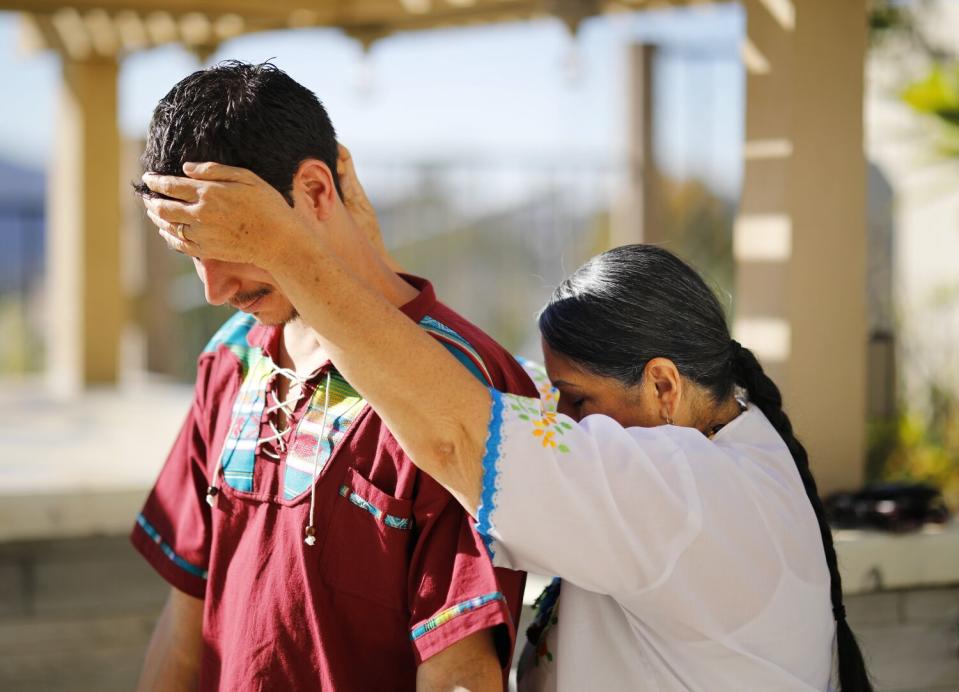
[{"x": 288, "y": 241}]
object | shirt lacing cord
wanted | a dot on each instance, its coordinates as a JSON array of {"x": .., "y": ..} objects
[{"x": 288, "y": 406}]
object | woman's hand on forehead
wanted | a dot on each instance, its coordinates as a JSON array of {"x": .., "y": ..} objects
[{"x": 220, "y": 212}]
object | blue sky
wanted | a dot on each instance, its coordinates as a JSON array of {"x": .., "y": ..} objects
[{"x": 526, "y": 90}]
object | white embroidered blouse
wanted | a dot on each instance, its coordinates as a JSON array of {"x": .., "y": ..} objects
[{"x": 687, "y": 563}]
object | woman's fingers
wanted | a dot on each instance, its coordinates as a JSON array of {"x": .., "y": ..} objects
[
  {"x": 176, "y": 187},
  {"x": 174, "y": 243},
  {"x": 344, "y": 163},
  {"x": 222, "y": 205},
  {"x": 218, "y": 172},
  {"x": 355, "y": 199},
  {"x": 169, "y": 234},
  {"x": 170, "y": 210},
  {"x": 353, "y": 192}
]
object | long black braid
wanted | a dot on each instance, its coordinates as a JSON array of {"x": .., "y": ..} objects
[
  {"x": 764, "y": 393},
  {"x": 637, "y": 302}
]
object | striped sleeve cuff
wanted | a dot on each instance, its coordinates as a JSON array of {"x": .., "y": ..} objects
[
  {"x": 179, "y": 572},
  {"x": 459, "y": 621}
]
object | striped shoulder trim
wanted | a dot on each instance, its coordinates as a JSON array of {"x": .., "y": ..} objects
[
  {"x": 232, "y": 334},
  {"x": 459, "y": 347}
]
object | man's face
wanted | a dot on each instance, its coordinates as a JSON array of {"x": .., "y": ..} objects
[{"x": 245, "y": 287}]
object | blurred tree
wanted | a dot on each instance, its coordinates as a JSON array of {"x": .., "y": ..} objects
[
  {"x": 921, "y": 442},
  {"x": 937, "y": 95},
  {"x": 699, "y": 225}
]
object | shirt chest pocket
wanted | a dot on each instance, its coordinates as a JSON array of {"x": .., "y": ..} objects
[{"x": 366, "y": 553}]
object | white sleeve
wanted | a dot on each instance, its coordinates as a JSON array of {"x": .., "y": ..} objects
[{"x": 607, "y": 508}]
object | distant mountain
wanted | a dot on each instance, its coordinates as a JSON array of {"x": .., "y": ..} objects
[
  {"x": 20, "y": 184},
  {"x": 22, "y": 227}
]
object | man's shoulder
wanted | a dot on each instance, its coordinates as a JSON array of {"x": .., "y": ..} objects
[
  {"x": 231, "y": 339},
  {"x": 232, "y": 333},
  {"x": 226, "y": 358},
  {"x": 489, "y": 362}
]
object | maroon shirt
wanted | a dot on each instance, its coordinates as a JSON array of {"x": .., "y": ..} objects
[{"x": 368, "y": 602}]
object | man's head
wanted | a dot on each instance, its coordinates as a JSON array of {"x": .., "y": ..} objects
[
  {"x": 238, "y": 114},
  {"x": 249, "y": 116}
]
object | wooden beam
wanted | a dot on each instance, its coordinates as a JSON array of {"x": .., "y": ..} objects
[
  {"x": 329, "y": 12},
  {"x": 111, "y": 27}
]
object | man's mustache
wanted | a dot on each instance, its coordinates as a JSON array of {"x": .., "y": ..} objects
[{"x": 247, "y": 298}]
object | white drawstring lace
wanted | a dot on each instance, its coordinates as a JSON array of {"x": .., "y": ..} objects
[
  {"x": 288, "y": 406},
  {"x": 310, "y": 529}
]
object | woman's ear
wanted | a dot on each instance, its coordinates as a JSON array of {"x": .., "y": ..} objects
[
  {"x": 313, "y": 187},
  {"x": 663, "y": 376}
]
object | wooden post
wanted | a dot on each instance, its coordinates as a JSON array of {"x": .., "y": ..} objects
[
  {"x": 800, "y": 237},
  {"x": 637, "y": 218},
  {"x": 85, "y": 300}
]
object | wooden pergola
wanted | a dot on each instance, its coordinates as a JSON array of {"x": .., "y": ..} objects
[
  {"x": 800, "y": 237},
  {"x": 109, "y": 28}
]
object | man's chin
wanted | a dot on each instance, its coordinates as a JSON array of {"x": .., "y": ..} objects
[{"x": 273, "y": 319}]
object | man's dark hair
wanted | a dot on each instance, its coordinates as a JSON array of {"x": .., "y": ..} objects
[{"x": 239, "y": 114}]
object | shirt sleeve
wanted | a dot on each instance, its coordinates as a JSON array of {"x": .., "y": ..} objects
[
  {"x": 607, "y": 508},
  {"x": 173, "y": 530},
  {"x": 455, "y": 590}
]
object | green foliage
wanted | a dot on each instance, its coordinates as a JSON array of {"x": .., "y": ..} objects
[
  {"x": 699, "y": 225},
  {"x": 887, "y": 18},
  {"x": 918, "y": 446},
  {"x": 937, "y": 94},
  {"x": 21, "y": 349}
]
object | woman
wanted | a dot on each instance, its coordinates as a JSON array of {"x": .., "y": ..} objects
[{"x": 669, "y": 491}]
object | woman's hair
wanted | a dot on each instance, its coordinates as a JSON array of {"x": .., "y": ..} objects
[{"x": 638, "y": 302}]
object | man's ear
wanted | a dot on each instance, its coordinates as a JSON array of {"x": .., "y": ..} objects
[
  {"x": 663, "y": 376},
  {"x": 313, "y": 188}
]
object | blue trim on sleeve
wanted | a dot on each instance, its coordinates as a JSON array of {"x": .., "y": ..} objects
[
  {"x": 168, "y": 551},
  {"x": 490, "y": 471},
  {"x": 466, "y": 361}
]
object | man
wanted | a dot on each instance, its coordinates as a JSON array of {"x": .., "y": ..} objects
[{"x": 304, "y": 549}]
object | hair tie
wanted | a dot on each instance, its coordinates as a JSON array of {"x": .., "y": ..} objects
[{"x": 839, "y": 612}]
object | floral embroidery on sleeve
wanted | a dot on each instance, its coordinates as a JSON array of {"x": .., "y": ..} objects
[
  {"x": 548, "y": 394},
  {"x": 544, "y": 424}
]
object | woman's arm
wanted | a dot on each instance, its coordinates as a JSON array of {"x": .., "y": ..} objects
[
  {"x": 608, "y": 509},
  {"x": 435, "y": 408},
  {"x": 437, "y": 411}
]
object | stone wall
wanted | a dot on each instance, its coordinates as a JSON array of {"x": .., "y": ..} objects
[
  {"x": 910, "y": 637},
  {"x": 76, "y": 615}
]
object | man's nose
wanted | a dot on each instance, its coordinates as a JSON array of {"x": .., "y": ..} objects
[{"x": 219, "y": 282}]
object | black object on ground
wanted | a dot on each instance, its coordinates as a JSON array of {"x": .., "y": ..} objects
[{"x": 895, "y": 507}]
